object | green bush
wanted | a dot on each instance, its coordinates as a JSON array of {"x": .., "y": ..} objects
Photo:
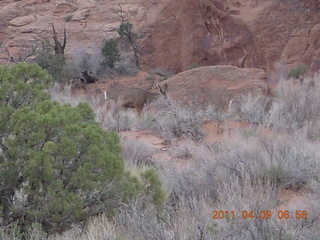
[
  {"x": 68, "y": 18},
  {"x": 125, "y": 29},
  {"x": 110, "y": 52},
  {"x": 194, "y": 65},
  {"x": 275, "y": 174},
  {"x": 153, "y": 187},
  {"x": 57, "y": 165},
  {"x": 297, "y": 71}
]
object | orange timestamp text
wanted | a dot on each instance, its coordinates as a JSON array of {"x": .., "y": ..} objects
[{"x": 280, "y": 214}]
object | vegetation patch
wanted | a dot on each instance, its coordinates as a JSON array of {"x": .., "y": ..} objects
[{"x": 57, "y": 165}]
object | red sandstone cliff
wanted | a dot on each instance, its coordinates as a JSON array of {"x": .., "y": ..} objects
[{"x": 175, "y": 34}]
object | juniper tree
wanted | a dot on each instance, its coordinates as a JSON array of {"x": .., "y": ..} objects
[
  {"x": 110, "y": 52},
  {"x": 57, "y": 165}
]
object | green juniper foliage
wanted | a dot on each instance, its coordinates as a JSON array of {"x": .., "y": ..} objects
[
  {"x": 298, "y": 71},
  {"x": 110, "y": 52},
  {"x": 57, "y": 165},
  {"x": 153, "y": 187}
]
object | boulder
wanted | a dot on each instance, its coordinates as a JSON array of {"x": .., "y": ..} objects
[
  {"x": 215, "y": 85},
  {"x": 63, "y": 8},
  {"x": 22, "y": 21}
]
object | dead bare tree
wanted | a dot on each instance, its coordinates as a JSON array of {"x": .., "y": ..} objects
[
  {"x": 58, "y": 47},
  {"x": 125, "y": 30}
]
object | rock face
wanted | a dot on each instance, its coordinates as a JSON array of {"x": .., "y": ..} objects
[
  {"x": 303, "y": 47},
  {"x": 200, "y": 32},
  {"x": 174, "y": 34},
  {"x": 215, "y": 85}
]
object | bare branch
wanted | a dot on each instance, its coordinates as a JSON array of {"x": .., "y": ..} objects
[
  {"x": 64, "y": 39},
  {"x": 125, "y": 29},
  {"x": 58, "y": 48}
]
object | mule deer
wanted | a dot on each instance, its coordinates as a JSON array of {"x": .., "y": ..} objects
[{"x": 136, "y": 98}]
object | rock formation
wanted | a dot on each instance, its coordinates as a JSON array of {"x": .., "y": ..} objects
[
  {"x": 215, "y": 85},
  {"x": 174, "y": 34}
]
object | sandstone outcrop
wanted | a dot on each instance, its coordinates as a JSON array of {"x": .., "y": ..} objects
[
  {"x": 215, "y": 85},
  {"x": 303, "y": 47}
]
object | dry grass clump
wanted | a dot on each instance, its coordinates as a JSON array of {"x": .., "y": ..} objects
[
  {"x": 254, "y": 109},
  {"x": 172, "y": 121},
  {"x": 187, "y": 150},
  {"x": 296, "y": 106},
  {"x": 281, "y": 159},
  {"x": 115, "y": 120},
  {"x": 112, "y": 117},
  {"x": 99, "y": 227},
  {"x": 136, "y": 152},
  {"x": 63, "y": 96}
]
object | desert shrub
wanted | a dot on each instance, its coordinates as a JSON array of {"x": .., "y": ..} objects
[
  {"x": 183, "y": 151},
  {"x": 111, "y": 53},
  {"x": 99, "y": 227},
  {"x": 119, "y": 119},
  {"x": 126, "y": 69},
  {"x": 135, "y": 152},
  {"x": 173, "y": 121},
  {"x": 63, "y": 96},
  {"x": 297, "y": 71},
  {"x": 137, "y": 221},
  {"x": 295, "y": 107},
  {"x": 255, "y": 167},
  {"x": 88, "y": 57},
  {"x": 187, "y": 187},
  {"x": 68, "y": 18},
  {"x": 283, "y": 162},
  {"x": 87, "y": 63},
  {"x": 255, "y": 109},
  {"x": 193, "y": 66}
]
